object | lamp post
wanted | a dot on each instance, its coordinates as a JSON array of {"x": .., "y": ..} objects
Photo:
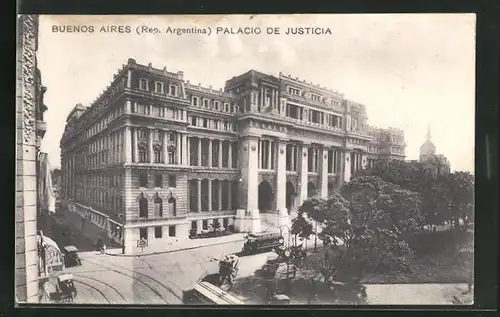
[
  {"x": 119, "y": 229},
  {"x": 315, "y": 236}
]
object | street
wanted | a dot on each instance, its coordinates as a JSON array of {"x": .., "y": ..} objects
[{"x": 151, "y": 279}]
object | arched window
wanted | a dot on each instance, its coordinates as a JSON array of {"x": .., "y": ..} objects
[
  {"x": 158, "y": 212},
  {"x": 143, "y": 206},
  {"x": 172, "y": 206}
]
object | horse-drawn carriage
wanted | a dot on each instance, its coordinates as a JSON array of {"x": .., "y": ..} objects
[
  {"x": 228, "y": 270},
  {"x": 65, "y": 289}
]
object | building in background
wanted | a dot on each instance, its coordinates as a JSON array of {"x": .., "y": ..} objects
[
  {"x": 438, "y": 163},
  {"x": 156, "y": 157}
]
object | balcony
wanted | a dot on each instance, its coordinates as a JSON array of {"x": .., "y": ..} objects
[{"x": 41, "y": 128}]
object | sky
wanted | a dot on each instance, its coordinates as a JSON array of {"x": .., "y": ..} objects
[{"x": 409, "y": 70}]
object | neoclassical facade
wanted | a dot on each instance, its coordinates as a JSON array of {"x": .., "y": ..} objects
[{"x": 156, "y": 157}]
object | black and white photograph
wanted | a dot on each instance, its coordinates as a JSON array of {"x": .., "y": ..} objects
[{"x": 298, "y": 159}]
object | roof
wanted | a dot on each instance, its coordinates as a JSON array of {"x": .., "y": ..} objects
[
  {"x": 70, "y": 248},
  {"x": 65, "y": 277}
]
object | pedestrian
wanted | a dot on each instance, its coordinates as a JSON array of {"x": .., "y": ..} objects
[
  {"x": 103, "y": 249},
  {"x": 123, "y": 248}
]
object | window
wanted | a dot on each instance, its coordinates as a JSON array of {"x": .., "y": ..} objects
[
  {"x": 157, "y": 153},
  {"x": 157, "y": 135},
  {"x": 142, "y": 133},
  {"x": 171, "y": 231},
  {"x": 143, "y": 84},
  {"x": 172, "y": 206},
  {"x": 194, "y": 225},
  {"x": 158, "y": 180},
  {"x": 315, "y": 97},
  {"x": 158, "y": 87},
  {"x": 158, "y": 210},
  {"x": 293, "y": 91},
  {"x": 205, "y": 123},
  {"x": 193, "y": 121},
  {"x": 216, "y": 105},
  {"x": 226, "y": 125},
  {"x": 205, "y": 103},
  {"x": 143, "y": 233},
  {"x": 205, "y": 225},
  {"x": 195, "y": 101},
  {"x": 143, "y": 206},
  {"x": 171, "y": 137},
  {"x": 173, "y": 90},
  {"x": 172, "y": 181},
  {"x": 143, "y": 155},
  {"x": 143, "y": 180},
  {"x": 226, "y": 107},
  {"x": 158, "y": 232},
  {"x": 171, "y": 156}
]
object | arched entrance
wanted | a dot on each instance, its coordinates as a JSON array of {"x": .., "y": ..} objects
[
  {"x": 311, "y": 190},
  {"x": 265, "y": 196},
  {"x": 290, "y": 196}
]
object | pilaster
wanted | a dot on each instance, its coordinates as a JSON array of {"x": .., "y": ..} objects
[
  {"x": 303, "y": 175},
  {"x": 283, "y": 218}
]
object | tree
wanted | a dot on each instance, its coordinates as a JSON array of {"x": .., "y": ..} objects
[
  {"x": 383, "y": 205},
  {"x": 359, "y": 238},
  {"x": 459, "y": 187},
  {"x": 416, "y": 177}
]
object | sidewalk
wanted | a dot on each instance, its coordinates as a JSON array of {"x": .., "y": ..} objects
[
  {"x": 187, "y": 244},
  {"x": 90, "y": 230}
]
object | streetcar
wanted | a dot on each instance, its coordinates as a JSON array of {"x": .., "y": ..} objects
[
  {"x": 206, "y": 293},
  {"x": 262, "y": 242}
]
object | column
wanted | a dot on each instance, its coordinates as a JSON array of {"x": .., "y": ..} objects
[
  {"x": 268, "y": 155},
  {"x": 230, "y": 155},
  {"x": 129, "y": 78},
  {"x": 128, "y": 145},
  {"x": 272, "y": 98},
  {"x": 199, "y": 195},
  {"x": 303, "y": 174},
  {"x": 178, "y": 149},
  {"x": 260, "y": 154},
  {"x": 150, "y": 146},
  {"x": 262, "y": 96},
  {"x": 184, "y": 149},
  {"x": 165, "y": 147},
  {"x": 210, "y": 152},
  {"x": 229, "y": 196},
  {"x": 210, "y": 194},
  {"x": 219, "y": 193},
  {"x": 136, "y": 147},
  {"x": 293, "y": 154},
  {"x": 188, "y": 150},
  {"x": 128, "y": 106},
  {"x": 323, "y": 173},
  {"x": 346, "y": 172},
  {"x": 199, "y": 151},
  {"x": 281, "y": 181},
  {"x": 220, "y": 153}
]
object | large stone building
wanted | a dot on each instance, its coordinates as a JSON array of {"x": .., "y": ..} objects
[
  {"x": 438, "y": 163},
  {"x": 30, "y": 130},
  {"x": 156, "y": 157}
]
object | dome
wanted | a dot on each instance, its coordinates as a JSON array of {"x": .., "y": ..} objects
[{"x": 428, "y": 148}]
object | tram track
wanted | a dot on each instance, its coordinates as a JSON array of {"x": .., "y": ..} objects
[
  {"x": 94, "y": 288},
  {"x": 119, "y": 269},
  {"x": 104, "y": 283}
]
